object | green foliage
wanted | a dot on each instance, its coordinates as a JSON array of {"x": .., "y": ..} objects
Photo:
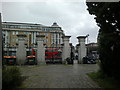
[
  {"x": 103, "y": 81},
  {"x": 11, "y": 77},
  {"x": 108, "y": 19}
]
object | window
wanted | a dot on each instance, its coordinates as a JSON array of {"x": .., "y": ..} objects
[
  {"x": 46, "y": 40},
  {"x": 52, "y": 41},
  {"x": 12, "y": 26},
  {"x": 16, "y": 39},
  {"x": 46, "y": 34},
  {"x": 13, "y": 40},
  {"x": 34, "y": 27},
  {"x": 45, "y": 29},
  {"x": 25, "y": 32},
  {"x": 3, "y": 26},
  {"x": 13, "y": 33},
  {"x": 7, "y": 26},
  {"x": 16, "y": 32},
  {"x": 37, "y": 33}
]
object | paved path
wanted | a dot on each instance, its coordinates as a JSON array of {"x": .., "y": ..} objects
[{"x": 59, "y": 76}]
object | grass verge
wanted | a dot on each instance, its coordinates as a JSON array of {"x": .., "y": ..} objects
[{"x": 103, "y": 82}]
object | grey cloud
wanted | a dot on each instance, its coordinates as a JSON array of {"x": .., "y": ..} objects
[{"x": 71, "y": 16}]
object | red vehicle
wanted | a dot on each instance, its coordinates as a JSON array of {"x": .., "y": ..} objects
[
  {"x": 52, "y": 55},
  {"x": 31, "y": 60},
  {"x": 10, "y": 60},
  {"x": 33, "y": 52}
]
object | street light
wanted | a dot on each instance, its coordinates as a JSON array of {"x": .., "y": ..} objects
[
  {"x": 87, "y": 37},
  {"x": 87, "y": 43},
  {"x": 71, "y": 54}
]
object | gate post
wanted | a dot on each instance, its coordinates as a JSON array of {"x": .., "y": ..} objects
[
  {"x": 40, "y": 50},
  {"x": 21, "y": 50},
  {"x": 1, "y": 46},
  {"x": 66, "y": 49},
  {"x": 81, "y": 48}
]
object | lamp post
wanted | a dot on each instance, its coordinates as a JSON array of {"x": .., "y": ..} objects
[
  {"x": 87, "y": 43},
  {"x": 87, "y": 38},
  {"x": 71, "y": 55}
]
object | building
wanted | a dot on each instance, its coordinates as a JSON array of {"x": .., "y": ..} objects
[
  {"x": 53, "y": 34},
  {"x": 10, "y": 30},
  {"x": 92, "y": 48}
]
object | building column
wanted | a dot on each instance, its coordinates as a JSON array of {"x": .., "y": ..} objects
[
  {"x": 34, "y": 37},
  {"x": 21, "y": 50},
  {"x": 66, "y": 48},
  {"x": 6, "y": 37},
  {"x": 40, "y": 50},
  {"x": 81, "y": 49}
]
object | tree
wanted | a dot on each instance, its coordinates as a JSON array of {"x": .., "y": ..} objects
[{"x": 108, "y": 19}]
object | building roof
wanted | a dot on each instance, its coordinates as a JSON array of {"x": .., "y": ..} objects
[
  {"x": 18, "y": 23},
  {"x": 55, "y": 25},
  {"x": 81, "y": 37},
  {"x": 31, "y": 24},
  {"x": 92, "y": 44}
]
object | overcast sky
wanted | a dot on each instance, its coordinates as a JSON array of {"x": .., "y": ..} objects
[{"x": 71, "y": 16}]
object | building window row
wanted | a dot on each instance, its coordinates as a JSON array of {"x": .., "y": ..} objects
[
  {"x": 14, "y": 32},
  {"x": 32, "y": 27},
  {"x": 21, "y": 26}
]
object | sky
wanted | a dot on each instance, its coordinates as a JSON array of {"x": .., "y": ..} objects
[{"x": 72, "y": 16}]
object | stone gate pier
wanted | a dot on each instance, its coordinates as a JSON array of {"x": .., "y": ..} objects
[
  {"x": 81, "y": 48},
  {"x": 40, "y": 50},
  {"x": 66, "y": 48},
  {"x": 21, "y": 50}
]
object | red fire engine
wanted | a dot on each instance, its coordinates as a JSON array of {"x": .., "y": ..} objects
[
  {"x": 10, "y": 60},
  {"x": 52, "y": 55}
]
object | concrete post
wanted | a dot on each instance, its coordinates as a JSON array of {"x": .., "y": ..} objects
[
  {"x": 66, "y": 48},
  {"x": 81, "y": 48},
  {"x": 0, "y": 53},
  {"x": 40, "y": 50},
  {"x": 21, "y": 50}
]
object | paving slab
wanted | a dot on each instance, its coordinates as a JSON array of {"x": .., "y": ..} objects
[{"x": 59, "y": 76}]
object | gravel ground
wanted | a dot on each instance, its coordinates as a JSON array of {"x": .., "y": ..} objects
[{"x": 59, "y": 76}]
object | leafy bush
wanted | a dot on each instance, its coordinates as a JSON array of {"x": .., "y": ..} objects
[
  {"x": 103, "y": 81},
  {"x": 11, "y": 77},
  {"x": 108, "y": 19}
]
